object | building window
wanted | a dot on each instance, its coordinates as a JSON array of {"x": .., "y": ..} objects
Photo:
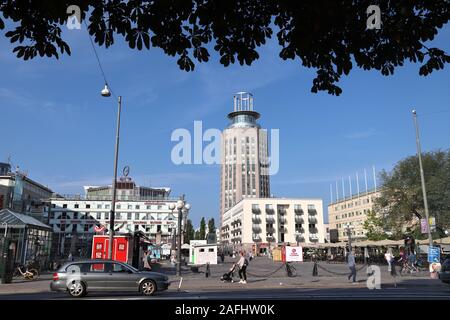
[
  {"x": 88, "y": 206},
  {"x": 99, "y": 206},
  {"x": 99, "y": 215},
  {"x": 76, "y": 206},
  {"x": 118, "y": 206},
  {"x": 106, "y": 215},
  {"x": 136, "y": 216},
  {"x": 64, "y": 205},
  {"x": 75, "y": 215},
  {"x": 129, "y": 216},
  {"x": 130, "y": 207},
  {"x": 138, "y": 207},
  {"x": 74, "y": 228},
  {"x": 107, "y": 206}
]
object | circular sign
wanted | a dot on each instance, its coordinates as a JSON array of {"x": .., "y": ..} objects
[{"x": 126, "y": 171}]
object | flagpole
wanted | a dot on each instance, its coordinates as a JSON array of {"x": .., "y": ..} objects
[
  {"x": 365, "y": 179},
  {"x": 350, "y": 183},
  {"x": 357, "y": 183}
]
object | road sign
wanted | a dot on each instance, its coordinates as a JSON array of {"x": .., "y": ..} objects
[{"x": 434, "y": 254}]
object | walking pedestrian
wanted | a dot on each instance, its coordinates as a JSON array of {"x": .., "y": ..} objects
[
  {"x": 389, "y": 258},
  {"x": 70, "y": 257},
  {"x": 242, "y": 264},
  {"x": 145, "y": 259},
  {"x": 352, "y": 265}
]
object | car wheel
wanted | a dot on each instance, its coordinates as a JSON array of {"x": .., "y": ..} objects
[
  {"x": 148, "y": 287},
  {"x": 77, "y": 289}
]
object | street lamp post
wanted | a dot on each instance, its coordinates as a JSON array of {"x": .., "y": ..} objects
[
  {"x": 107, "y": 93},
  {"x": 422, "y": 178},
  {"x": 183, "y": 208},
  {"x": 349, "y": 237}
]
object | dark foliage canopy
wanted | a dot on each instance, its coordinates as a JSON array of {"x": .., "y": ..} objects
[{"x": 327, "y": 35}]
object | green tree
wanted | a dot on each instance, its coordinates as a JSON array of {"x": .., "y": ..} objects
[
  {"x": 373, "y": 225},
  {"x": 329, "y": 36},
  {"x": 197, "y": 235},
  {"x": 202, "y": 232},
  {"x": 190, "y": 233},
  {"x": 211, "y": 226},
  {"x": 401, "y": 199}
]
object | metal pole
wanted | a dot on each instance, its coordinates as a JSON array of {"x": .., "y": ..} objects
[
  {"x": 349, "y": 239},
  {"x": 180, "y": 213},
  {"x": 6, "y": 228},
  {"x": 422, "y": 178},
  {"x": 113, "y": 202}
]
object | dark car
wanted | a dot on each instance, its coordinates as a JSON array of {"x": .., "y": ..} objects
[
  {"x": 444, "y": 274},
  {"x": 80, "y": 277}
]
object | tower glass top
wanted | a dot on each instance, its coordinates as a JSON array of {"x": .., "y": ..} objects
[{"x": 243, "y": 114}]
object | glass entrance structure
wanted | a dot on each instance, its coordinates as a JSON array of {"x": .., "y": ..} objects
[{"x": 31, "y": 238}]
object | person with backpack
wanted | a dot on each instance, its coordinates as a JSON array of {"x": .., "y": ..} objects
[{"x": 242, "y": 264}]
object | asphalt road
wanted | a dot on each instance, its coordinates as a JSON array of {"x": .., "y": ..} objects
[{"x": 390, "y": 293}]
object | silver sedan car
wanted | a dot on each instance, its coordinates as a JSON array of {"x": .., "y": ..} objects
[{"x": 80, "y": 277}]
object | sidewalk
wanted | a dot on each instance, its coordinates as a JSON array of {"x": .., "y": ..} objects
[{"x": 198, "y": 282}]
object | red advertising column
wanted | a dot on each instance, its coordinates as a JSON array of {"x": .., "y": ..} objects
[{"x": 283, "y": 253}]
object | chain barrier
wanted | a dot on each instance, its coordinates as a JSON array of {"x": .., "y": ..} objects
[
  {"x": 266, "y": 275},
  {"x": 339, "y": 273}
]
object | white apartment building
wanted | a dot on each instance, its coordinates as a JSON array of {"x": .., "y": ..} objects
[
  {"x": 144, "y": 209},
  {"x": 351, "y": 212},
  {"x": 267, "y": 222}
]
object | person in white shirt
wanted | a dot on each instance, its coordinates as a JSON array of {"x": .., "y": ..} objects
[{"x": 242, "y": 264}]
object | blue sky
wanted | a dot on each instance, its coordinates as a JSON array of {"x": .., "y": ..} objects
[{"x": 56, "y": 126}]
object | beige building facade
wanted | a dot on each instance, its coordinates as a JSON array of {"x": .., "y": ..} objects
[
  {"x": 351, "y": 212},
  {"x": 244, "y": 162},
  {"x": 267, "y": 222}
]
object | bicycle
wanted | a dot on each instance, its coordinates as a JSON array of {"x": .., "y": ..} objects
[
  {"x": 27, "y": 274},
  {"x": 290, "y": 270}
]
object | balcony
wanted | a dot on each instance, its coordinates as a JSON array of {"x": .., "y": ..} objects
[
  {"x": 270, "y": 219},
  {"x": 299, "y": 220},
  {"x": 313, "y": 230},
  {"x": 256, "y": 238},
  {"x": 269, "y": 209},
  {"x": 256, "y": 210},
  {"x": 270, "y": 230},
  {"x": 256, "y": 220},
  {"x": 300, "y": 238},
  {"x": 299, "y": 231},
  {"x": 270, "y": 239},
  {"x": 282, "y": 220},
  {"x": 281, "y": 211},
  {"x": 282, "y": 229},
  {"x": 256, "y": 229},
  {"x": 312, "y": 212},
  {"x": 298, "y": 211},
  {"x": 313, "y": 238},
  {"x": 236, "y": 239},
  {"x": 312, "y": 220}
]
